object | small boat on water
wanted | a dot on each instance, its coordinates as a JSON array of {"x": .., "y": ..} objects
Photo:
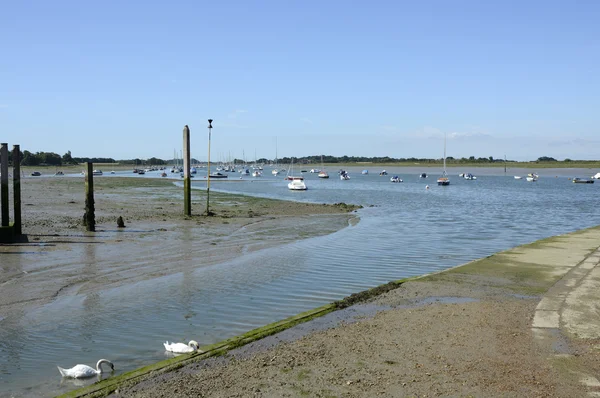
[
  {"x": 322, "y": 172},
  {"x": 140, "y": 171},
  {"x": 518, "y": 177},
  {"x": 423, "y": 175},
  {"x": 36, "y": 174},
  {"x": 444, "y": 180},
  {"x": 364, "y": 172},
  {"x": 395, "y": 179},
  {"x": 295, "y": 183},
  {"x": 218, "y": 175},
  {"x": 59, "y": 173},
  {"x": 578, "y": 180},
  {"x": 383, "y": 173},
  {"x": 97, "y": 172},
  {"x": 596, "y": 176},
  {"x": 344, "y": 175},
  {"x": 469, "y": 176}
]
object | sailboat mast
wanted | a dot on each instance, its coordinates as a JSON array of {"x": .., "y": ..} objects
[{"x": 444, "y": 153}]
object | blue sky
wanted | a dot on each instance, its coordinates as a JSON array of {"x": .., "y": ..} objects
[{"x": 120, "y": 79}]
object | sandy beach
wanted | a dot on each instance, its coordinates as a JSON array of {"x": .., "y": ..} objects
[{"x": 469, "y": 331}]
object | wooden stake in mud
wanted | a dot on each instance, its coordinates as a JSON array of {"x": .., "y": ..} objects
[
  {"x": 89, "y": 218},
  {"x": 187, "y": 183},
  {"x": 208, "y": 213},
  {"x": 4, "y": 183},
  {"x": 16, "y": 158}
]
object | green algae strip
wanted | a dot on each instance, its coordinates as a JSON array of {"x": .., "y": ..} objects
[
  {"x": 534, "y": 272},
  {"x": 108, "y": 386}
]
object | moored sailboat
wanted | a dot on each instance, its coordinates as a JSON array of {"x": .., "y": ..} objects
[
  {"x": 444, "y": 180},
  {"x": 322, "y": 172}
]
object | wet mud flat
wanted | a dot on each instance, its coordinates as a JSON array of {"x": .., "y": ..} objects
[{"x": 59, "y": 258}]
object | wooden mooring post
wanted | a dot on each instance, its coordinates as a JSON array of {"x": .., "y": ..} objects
[
  {"x": 16, "y": 158},
  {"x": 89, "y": 218},
  {"x": 187, "y": 183},
  {"x": 4, "y": 183}
]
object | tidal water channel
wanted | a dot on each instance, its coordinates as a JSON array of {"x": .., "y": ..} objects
[{"x": 404, "y": 230}]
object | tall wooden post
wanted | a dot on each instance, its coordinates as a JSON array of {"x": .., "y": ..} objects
[
  {"x": 4, "y": 183},
  {"x": 187, "y": 183},
  {"x": 89, "y": 218},
  {"x": 208, "y": 213},
  {"x": 16, "y": 158}
]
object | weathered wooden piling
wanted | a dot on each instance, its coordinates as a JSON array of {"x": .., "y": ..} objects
[
  {"x": 16, "y": 158},
  {"x": 187, "y": 183},
  {"x": 4, "y": 183},
  {"x": 89, "y": 218}
]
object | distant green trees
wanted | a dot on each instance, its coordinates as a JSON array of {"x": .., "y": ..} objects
[
  {"x": 546, "y": 159},
  {"x": 53, "y": 159}
]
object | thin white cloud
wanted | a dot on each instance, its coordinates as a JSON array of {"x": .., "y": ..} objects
[
  {"x": 236, "y": 113},
  {"x": 468, "y": 135},
  {"x": 306, "y": 120}
]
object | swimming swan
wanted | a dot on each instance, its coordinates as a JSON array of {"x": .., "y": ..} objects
[
  {"x": 181, "y": 348},
  {"x": 80, "y": 371}
]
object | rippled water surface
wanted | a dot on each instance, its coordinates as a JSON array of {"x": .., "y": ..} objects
[{"x": 404, "y": 230}]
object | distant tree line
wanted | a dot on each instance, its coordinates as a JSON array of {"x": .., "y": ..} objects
[{"x": 53, "y": 159}]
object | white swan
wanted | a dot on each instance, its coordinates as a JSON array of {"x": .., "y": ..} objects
[
  {"x": 181, "y": 348},
  {"x": 80, "y": 371}
]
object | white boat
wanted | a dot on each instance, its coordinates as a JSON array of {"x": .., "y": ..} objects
[
  {"x": 97, "y": 172},
  {"x": 469, "y": 176},
  {"x": 596, "y": 176},
  {"x": 275, "y": 172},
  {"x": 444, "y": 180},
  {"x": 395, "y": 179},
  {"x": 344, "y": 175},
  {"x": 295, "y": 183},
  {"x": 322, "y": 172},
  {"x": 256, "y": 173},
  {"x": 383, "y": 173},
  {"x": 518, "y": 177},
  {"x": 364, "y": 172}
]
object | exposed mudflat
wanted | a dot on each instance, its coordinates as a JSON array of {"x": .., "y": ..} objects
[{"x": 156, "y": 231}]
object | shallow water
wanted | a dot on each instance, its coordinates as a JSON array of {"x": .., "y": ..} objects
[{"x": 405, "y": 230}]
